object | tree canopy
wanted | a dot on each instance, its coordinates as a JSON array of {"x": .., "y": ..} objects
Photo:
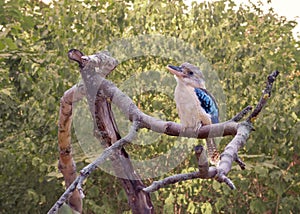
[{"x": 242, "y": 45}]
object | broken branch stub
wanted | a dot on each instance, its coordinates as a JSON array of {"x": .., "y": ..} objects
[{"x": 94, "y": 69}]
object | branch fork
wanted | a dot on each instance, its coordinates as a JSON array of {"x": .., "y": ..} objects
[{"x": 95, "y": 84}]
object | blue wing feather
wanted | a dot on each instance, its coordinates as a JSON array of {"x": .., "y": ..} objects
[{"x": 208, "y": 103}]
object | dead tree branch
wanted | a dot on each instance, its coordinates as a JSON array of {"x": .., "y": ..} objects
[
  {"x": 205, "y": 172},
  {"x": 66, "y": 163},
  {"x": 241, "y": 114},
  {"x": 86, "y": 171},
  {"x": 230, "y": 153},
  {"x": 106, "y": 130},
  {"x": 101, "y": 92},
  {"x": 265, "y": 96},
  {"x": 131, "y": 111}
]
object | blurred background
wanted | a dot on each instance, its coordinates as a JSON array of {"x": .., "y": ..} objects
[{"x": 242, "y": 44}]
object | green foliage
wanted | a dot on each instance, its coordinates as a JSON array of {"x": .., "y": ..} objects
[{"x": 242, "y": 44}]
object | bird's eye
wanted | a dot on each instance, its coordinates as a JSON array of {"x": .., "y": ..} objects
[{"x": 191, "y": 72}]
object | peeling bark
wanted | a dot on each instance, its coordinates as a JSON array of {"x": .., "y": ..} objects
[
  {"x": 105, "y": 127},
  {"x": 66, "y": 163}
]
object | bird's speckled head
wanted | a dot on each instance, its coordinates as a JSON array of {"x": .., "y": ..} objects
[{"x": 188, "y": 74}]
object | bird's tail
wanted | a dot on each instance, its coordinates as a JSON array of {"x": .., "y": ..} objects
[{"x": 212, "y": 151}]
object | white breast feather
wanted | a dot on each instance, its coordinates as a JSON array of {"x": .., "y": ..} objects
[{"x": 189, "y": 109}]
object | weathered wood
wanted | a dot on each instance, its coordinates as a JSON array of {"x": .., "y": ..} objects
[
  {"x": 105, "y": 128},
  {"x": 66, "y": 163},
  {"x": 101, "y": 92}
]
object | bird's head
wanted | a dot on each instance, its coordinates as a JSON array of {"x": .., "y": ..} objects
[{"x": 188, "y": 74}]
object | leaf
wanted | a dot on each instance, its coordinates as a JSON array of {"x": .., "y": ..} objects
[
  {"x": 206, "y": 208},
  {"x": 261, "y": 171},
  {"x": 191, "y": 207},
  {"x": 168, "y": 206},
  {"x": 10, "y": 44},
  {"x": 257, "y": 206},
  {"x": 66, "y": 209},
  {"x": 6, "y": 91},
  {"x": 28, "y": 23}
]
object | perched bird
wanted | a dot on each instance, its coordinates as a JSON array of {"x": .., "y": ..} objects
[{"x": 195, "y": 105}]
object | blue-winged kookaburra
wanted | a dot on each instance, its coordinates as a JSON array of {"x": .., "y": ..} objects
[{"x": 195, "y": 106}]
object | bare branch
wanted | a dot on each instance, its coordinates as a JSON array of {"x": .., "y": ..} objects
[
  {"x": 66, "y": 163},
  {"x": 205, "y": 172},
  {"x": 177, "y": 178},
  {"x": 242, "y": 114},
  {"x": 64, "y": 197},
  {"x": 131, "y": 111},
  {"x": 140, "y": 120},
  {"x": 230, "y": 153},
  {"x": 201, "y": 156},
  {"x": 266, "y": 94},
  {"x": 110, "y": 150},
  {"x": 86, "y": 171}
]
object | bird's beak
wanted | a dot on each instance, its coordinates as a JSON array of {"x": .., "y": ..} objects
[{"x": 176, "y": 70}]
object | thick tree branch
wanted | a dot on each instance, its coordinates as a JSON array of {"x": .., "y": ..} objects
[
  {"x": 230, "y": 153},
  {"x": 131, "y": 111},
  {"x": 66, "y": 163},
  {"x": 105, "y": 128},
  {"x": 86, "y": 171}
]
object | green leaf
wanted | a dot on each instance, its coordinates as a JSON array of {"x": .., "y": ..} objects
[
  {"x": 191, "y": 207},
  {"x": 169, "y": 202},
  {"x": 10, "y": 44},
  {"x": 206, "y": 208},
  {"x": 257, "y": 206},
  {"x": 65, "y": 209}
]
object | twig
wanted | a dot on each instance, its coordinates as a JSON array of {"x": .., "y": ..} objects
[
  {"x": 263, "y": 100},
  {"x": 156, "y": 185},
  {"x": 241, "y": 114},
  {"x": 221, "y": 177},
  {"x": 230, "y": 153}
]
